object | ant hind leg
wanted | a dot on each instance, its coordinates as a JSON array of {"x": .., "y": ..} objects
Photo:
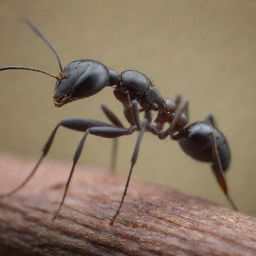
[
  {"x": 218, "y": 171},
  {"x": 211, "y": 120}
]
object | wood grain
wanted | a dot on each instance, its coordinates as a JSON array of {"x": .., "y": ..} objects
[{"x": 155, "y": 220}]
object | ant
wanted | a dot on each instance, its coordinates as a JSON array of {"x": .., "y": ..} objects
[{"x": 80, "y": 79}]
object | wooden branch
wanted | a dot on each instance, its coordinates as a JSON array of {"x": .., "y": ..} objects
[{"x": 154, "y": 220}]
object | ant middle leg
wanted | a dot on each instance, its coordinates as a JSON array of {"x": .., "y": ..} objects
[{"x": 218, "y": 170}]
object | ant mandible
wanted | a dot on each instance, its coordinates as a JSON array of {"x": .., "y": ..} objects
[{"x": 84, "y": 78}]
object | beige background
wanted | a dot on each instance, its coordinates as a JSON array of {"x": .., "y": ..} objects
[{"x": 205, "y": 50}]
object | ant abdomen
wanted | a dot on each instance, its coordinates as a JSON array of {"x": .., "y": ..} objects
[{"x": 196, "y": 141}]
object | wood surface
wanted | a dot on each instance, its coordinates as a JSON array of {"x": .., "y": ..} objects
[{"x": 155, "y": 220}]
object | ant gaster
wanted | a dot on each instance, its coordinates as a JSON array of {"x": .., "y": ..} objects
[{"x": 84, "y": 78}]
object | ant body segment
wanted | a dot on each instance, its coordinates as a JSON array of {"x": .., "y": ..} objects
[{"x": 84, "y": 78}]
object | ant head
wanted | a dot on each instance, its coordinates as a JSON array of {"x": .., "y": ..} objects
[{"x": 80, "y": 79}]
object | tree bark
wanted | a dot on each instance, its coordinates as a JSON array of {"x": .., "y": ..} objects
[{"x": 154, "y": 220}]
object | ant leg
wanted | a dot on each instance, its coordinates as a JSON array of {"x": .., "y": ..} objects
[
  {"x": 186, "y": 111},
  {"x": 169, "y": 131},
  {"x": 183, "y": 108},
  {"x": 150, "y": 128},
  {"x": 115, "y": 120},
  {"x": 178, "y": 100},
  {"x": 31, "y": 174},
  {"x": 135, "y": 113},
  {"x": 131, "y": 112},
  {"x": 148, "y": 115},
  {"x": 101, "y": 131},
  {"x": 72, "y": 123},
  {"x": 111, "y": 116},
  {"x": 132, "y": 115},
  {"x": 114, "y": 155},
  {"x": 211, "y": 120},
  {"x": 218, "y": 170},
  {"x": 133, "y": 161}
]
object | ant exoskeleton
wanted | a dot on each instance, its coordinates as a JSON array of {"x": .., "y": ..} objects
[{"x": 84, "y": 78}]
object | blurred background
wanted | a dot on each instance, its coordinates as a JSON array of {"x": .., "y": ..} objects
[{"x": 204, "y": 50}]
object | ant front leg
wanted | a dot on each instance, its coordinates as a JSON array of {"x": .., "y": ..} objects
[
  {"x": 218, "y": 170},
  {"x": 133, "y": 162},
  {"x": 76, "y": 124},
  {"x": 106, "y": 131},
  {"x": 143, "y": 126}
]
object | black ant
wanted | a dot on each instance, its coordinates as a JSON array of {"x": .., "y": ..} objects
[{"x": 84, "y": 78}]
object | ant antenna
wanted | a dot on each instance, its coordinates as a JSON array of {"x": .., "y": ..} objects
[
  {"x": 39, "y": 33},
  {"x": 31, "y": 69}
]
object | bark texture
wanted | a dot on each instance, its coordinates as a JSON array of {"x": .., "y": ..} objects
[{"x": 154, "y": 220}]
